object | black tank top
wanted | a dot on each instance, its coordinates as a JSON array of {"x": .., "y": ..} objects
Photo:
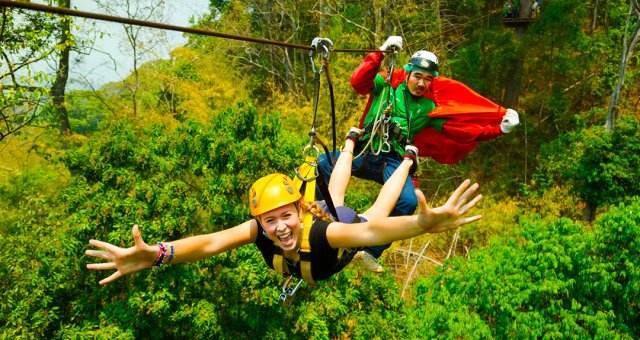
[{"x": 324, "y": 259}]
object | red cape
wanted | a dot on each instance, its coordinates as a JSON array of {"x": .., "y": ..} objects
[
  {"x": 470, "y": 116},
  {"x": 466, "y": 110}
]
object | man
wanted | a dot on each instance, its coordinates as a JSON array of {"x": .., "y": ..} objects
[{"x": 402, "y": 119}]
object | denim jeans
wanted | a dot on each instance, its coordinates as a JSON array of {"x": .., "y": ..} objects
[{"x": 377, "y": 168}]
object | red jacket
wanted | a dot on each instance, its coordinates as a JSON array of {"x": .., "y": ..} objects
[{"x": 470, "y": 117}]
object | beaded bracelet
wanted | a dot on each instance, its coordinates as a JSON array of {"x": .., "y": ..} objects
[
  {"x": 171, "y": 254},
  {"x": 162, "y": 252}
]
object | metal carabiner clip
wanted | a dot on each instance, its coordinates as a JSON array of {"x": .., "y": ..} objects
[
  {"x": 392, "y": 64},
  {"x": 311, "y": 147},
  {"x": 386, "y": 146},
  {"x": 288, "y": 290},
  {"x": 320, "y": 47}
]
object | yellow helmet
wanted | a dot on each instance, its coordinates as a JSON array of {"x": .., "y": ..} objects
[{"x": 271, "y": 192}]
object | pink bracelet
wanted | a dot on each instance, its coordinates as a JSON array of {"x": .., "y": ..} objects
[{"x": 162, "y": 252}]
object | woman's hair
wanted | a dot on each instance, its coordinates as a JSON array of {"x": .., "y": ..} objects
[{"x": 316, "y": 210}]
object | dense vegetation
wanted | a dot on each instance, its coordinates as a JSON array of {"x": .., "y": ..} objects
[{"x": 556, "y": 254}]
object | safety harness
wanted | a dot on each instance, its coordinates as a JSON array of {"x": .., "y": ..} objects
[{"x": 381, "y": 127}]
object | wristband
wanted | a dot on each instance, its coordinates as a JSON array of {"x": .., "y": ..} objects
[
  {"x": 172, "y": 253},
  {"x": 162, "y": 252},
  {"x": 410, "y": 156}
]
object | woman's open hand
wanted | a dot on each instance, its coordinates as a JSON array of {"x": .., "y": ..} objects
[
  {"x": 123, "y": 260},
  {"x": 450, "y": 215}
]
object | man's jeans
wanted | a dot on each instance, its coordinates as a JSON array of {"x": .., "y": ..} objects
[{"x": 377, "y": 168}]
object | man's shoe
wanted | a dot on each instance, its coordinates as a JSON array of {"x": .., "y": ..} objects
[{"x": 368, "y": 262}]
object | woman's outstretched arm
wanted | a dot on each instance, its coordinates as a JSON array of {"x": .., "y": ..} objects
[
  {"x": 428, "y": 220},
  {"x": 190, "y": 249}
]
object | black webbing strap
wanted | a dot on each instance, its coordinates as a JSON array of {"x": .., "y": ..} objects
[
  {"x": 409, "y": 139},
  {"x": 323, "y": 187},
  {"x": 325, "y": 65}
]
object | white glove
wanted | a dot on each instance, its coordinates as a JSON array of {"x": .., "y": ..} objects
[
  {"x": 325, "y": 43},
  {"x": 509, "y": 121},
  {"x": 392, "y": 41}
]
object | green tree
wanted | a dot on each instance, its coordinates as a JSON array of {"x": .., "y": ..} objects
[
  {"x": 26, "y": 38},
  {"x": 557, "y": 279},
  {"x": 65, "y": 41},
  {"x": 595, "y": 163}
]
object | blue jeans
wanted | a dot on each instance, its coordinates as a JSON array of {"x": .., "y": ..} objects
[{"x": 377, "y": 168}]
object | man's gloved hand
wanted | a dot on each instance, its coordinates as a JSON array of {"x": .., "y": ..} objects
[
  {"x": 509, "y": 121},
  {"x": 325, "y": 43},
  {"x": 392, "y": 41}
]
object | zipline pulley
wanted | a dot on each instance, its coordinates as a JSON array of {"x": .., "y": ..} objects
[
  {"x": 393, "y": 56},
  {"x": 321, "y": 49}
]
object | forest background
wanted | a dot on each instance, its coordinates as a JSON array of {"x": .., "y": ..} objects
[{"x": 175, "y": 145}]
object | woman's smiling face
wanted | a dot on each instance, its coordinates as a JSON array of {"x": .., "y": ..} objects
[{"x": 283, "y": 226}]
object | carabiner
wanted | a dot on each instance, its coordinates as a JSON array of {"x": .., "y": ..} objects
[
  {"x": 287, "y": 290},
  {"x": 306, "y": 152},
  {"x": 320, "y": 47},
  {"x": 392, "y": 63}
]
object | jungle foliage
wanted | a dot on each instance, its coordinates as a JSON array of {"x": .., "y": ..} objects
[{"x": 556, "y": 254}]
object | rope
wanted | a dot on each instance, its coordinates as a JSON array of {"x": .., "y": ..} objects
[
  {"x": 158, "y": 25},
  {"x": 378, "y": 127}
]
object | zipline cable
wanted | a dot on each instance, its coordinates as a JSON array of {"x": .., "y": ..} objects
[{"x": 158, "y": 25}]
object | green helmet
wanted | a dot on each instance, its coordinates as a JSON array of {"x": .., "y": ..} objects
[{"x": 424, "y": 61}]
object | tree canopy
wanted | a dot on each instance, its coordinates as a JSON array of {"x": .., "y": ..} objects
[{"x": 176, "y": 144}]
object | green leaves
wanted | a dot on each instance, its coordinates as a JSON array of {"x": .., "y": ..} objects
[{"x": 558, "y": 279}]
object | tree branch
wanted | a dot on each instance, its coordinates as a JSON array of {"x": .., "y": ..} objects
[
  {"x": 578, "y": 82},
  {"x": 94, "y": 92},
  {"x": 26, "y": 63},
  {"x": 372, "y": 33},
  {"x": 11, "y": 70},
  {"x": 4, "y": 21},
  {"x": 454, "y": 243},
  {"x": 413, "y": 269},
  {"x": 270, "y": 71}
]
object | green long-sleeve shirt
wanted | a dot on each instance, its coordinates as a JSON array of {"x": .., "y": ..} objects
[{"x": 419, "y": 108}]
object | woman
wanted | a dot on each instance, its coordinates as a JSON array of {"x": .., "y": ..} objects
[{"x": 277, "y": 228}]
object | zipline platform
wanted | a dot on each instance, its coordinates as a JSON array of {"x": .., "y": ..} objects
[{"x": 517, "y": 22}]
